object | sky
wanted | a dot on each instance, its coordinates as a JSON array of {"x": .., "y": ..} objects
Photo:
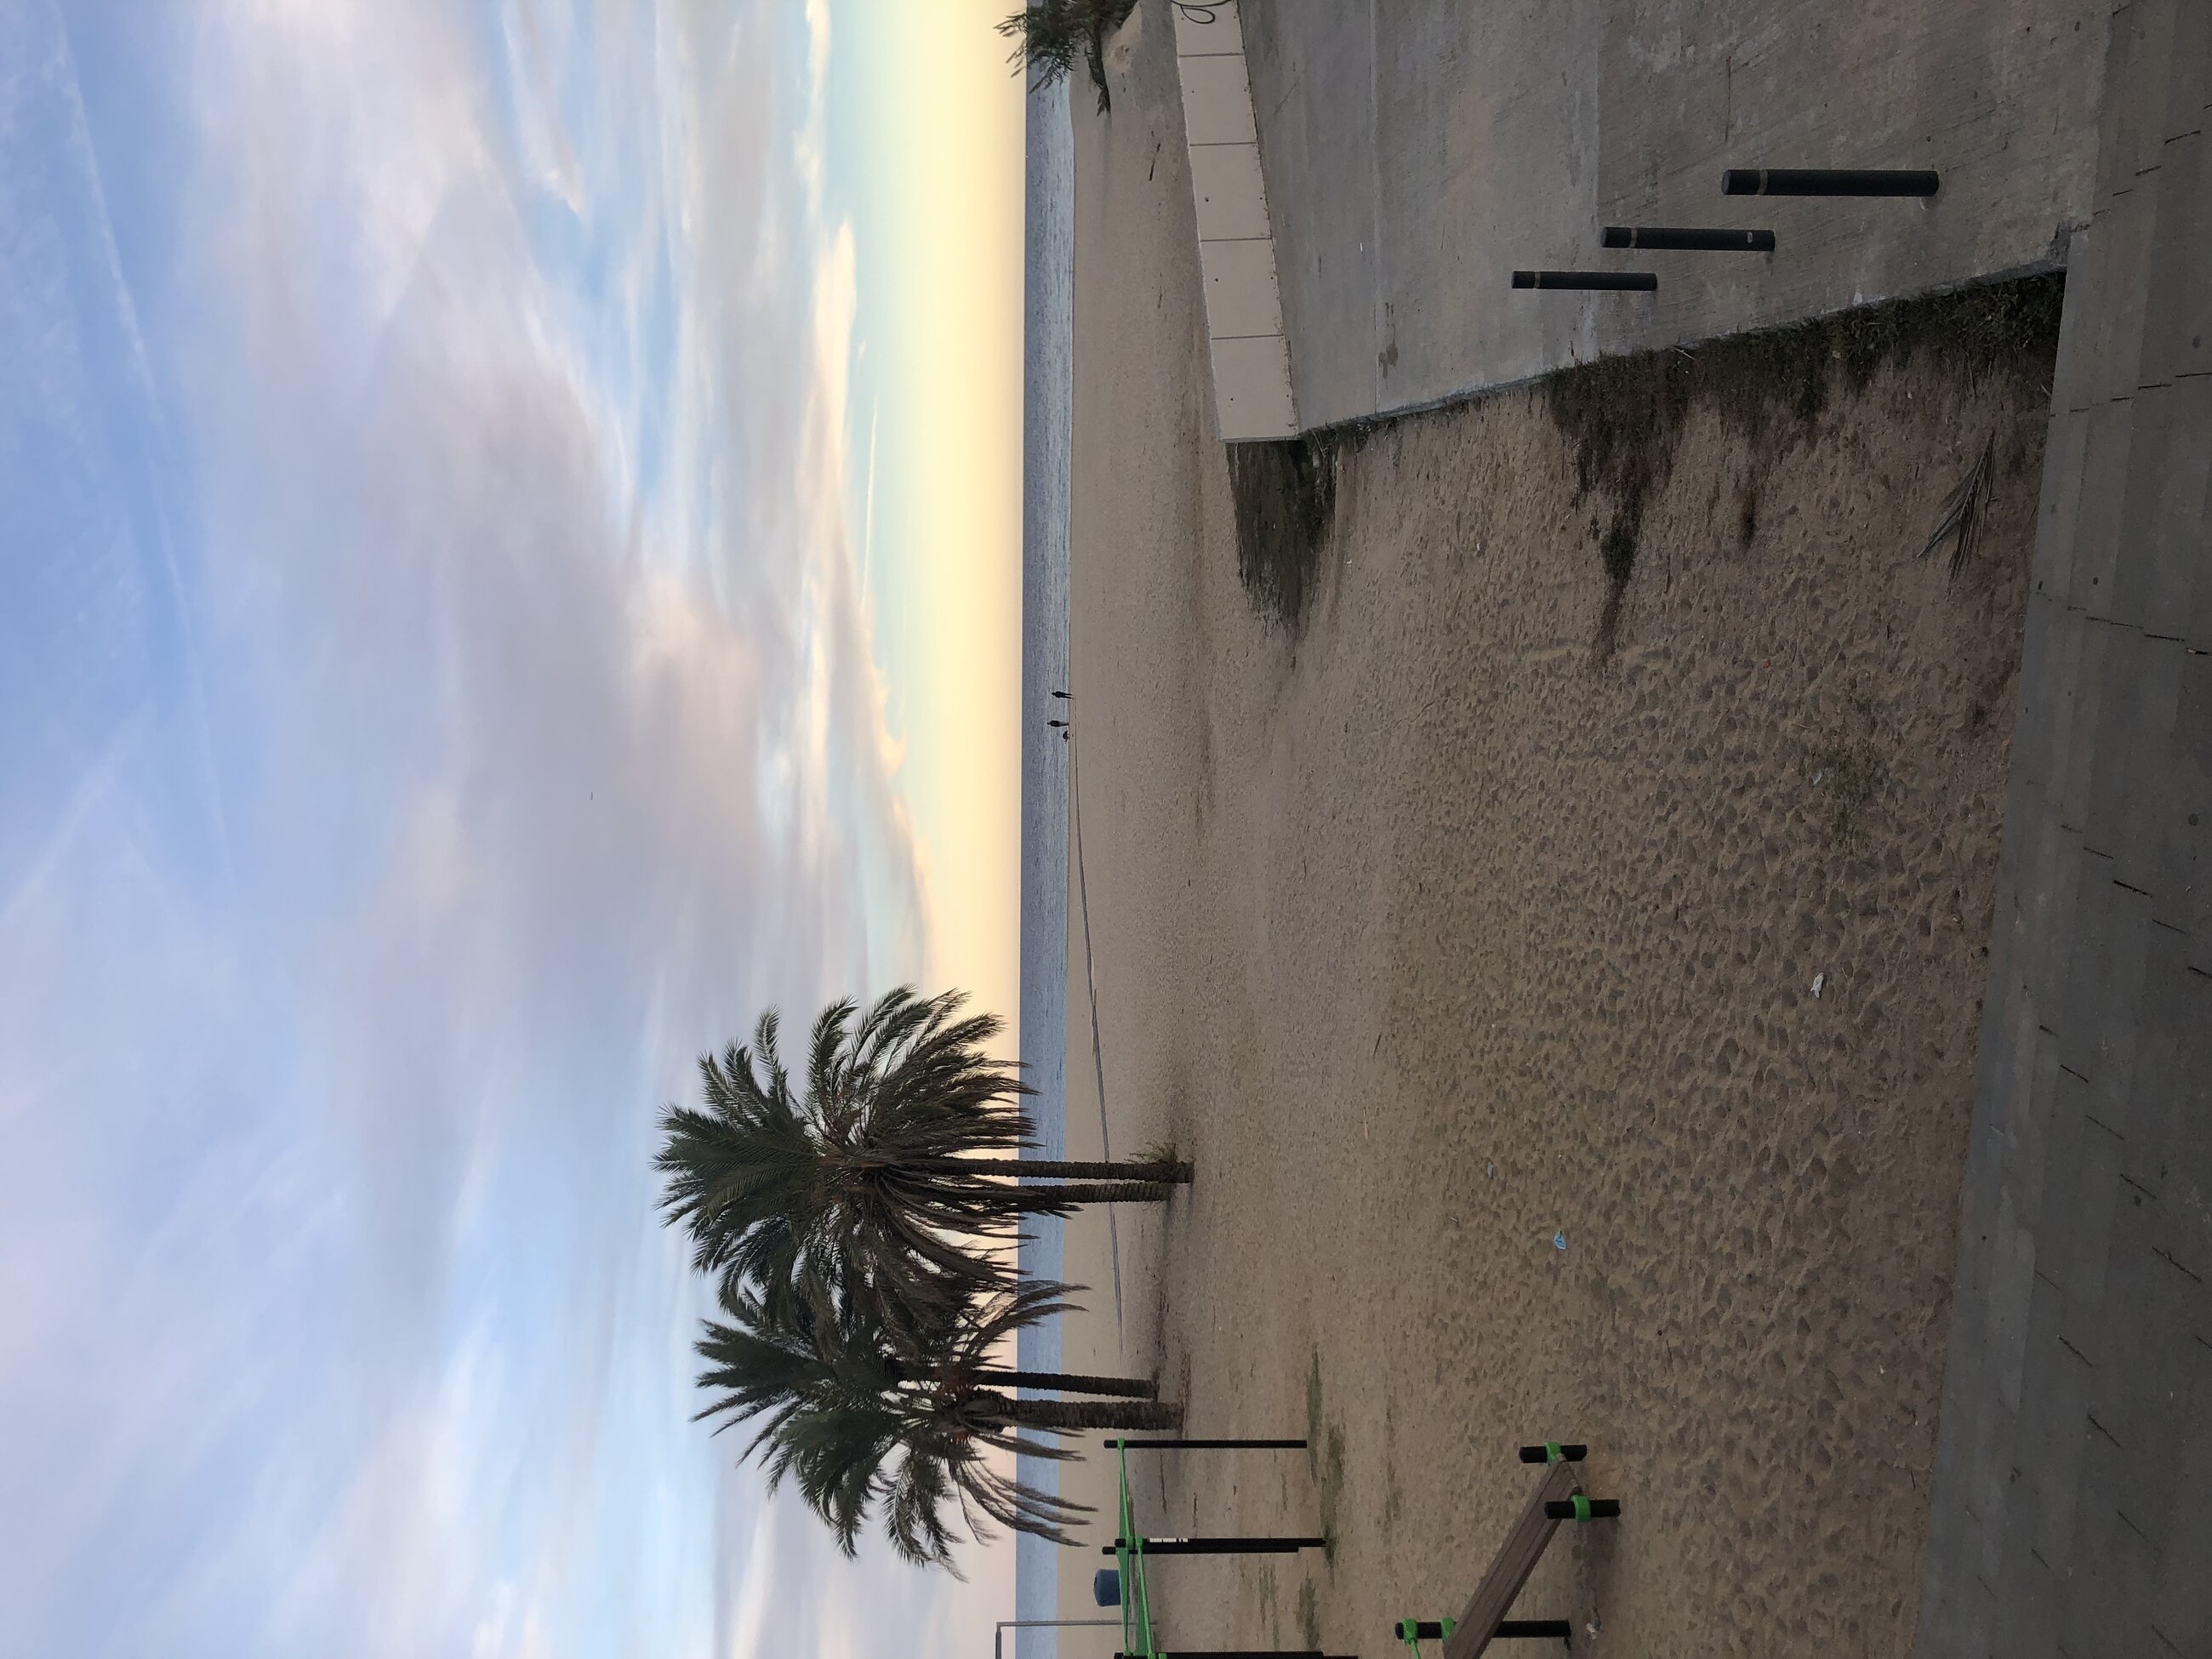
[{"x": 509, "y": 564}]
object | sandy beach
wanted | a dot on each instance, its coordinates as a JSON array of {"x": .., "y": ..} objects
[{"x": 1483, "y": 906}]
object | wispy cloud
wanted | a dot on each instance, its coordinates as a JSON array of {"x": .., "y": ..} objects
[{"x": 500, "y": 367}]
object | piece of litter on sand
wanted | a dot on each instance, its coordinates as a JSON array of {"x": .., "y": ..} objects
[
  {"x": 1817, "y": 776},
  {"x": 1488, "y": 1168},
  {"x": 1818, "y": 979},
  {"x": 1560, "y": 1241}
]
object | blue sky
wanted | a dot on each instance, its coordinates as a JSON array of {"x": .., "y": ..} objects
[{"x": 439, "y": 693}]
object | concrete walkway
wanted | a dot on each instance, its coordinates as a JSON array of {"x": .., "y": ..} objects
[
  {"x": 2072, "y": 1502},
  {"x": 1417, "y": 151}
]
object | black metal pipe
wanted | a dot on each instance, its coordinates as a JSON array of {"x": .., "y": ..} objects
[
  {"x": 1432, "y": 1630},
  {"x": 1218, "y": 1546},
  {"x": 1830, "y": 181},
  {"x": 1587, "y": 1509},
  {"x": 1692, "y": 240},
  {"x": 1211, "y": 1446},
  {"x": 1640, "y": 281},
  {"x": 1543, "y": 1454}
]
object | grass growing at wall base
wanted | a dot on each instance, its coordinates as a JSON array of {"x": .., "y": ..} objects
[
  {"x": 1624, "y": 416},
  {"x": 1285, "y": 495}
]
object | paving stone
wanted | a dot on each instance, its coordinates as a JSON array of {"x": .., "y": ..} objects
[
  {"x": 2153, "y": 1311},
  {"x": 2197, "y": 631},
  {"x": 2044, "y": 981},
  {"x": 2047, "y": 1445},
  {"x": 2088, "y": 968},
  {"x": 2189, "y": 80},
  {"x": 2080, "y": 1243},
  {"x": 2179, "y": 1615},
  {"x": 2138, "y": 72},
  {"x": 2058, "y": 512},
  {"x": 2101, "y": 512},
  {"x": 2178, "y": 302},
  {"x": 2043, "y": 643},
  {"x": 2185, "y": 884},
  {"x": 2120, "y": 236},
  {"x": 2165, "y": 786},
  {"x": 2170, "y": 1404},
  {"x": 2120, "y": 117},
  {"x": 2180, "y": 1608},
  {"x": 2025, "y": 1615},
  {"x": 2162, "y": 1031},
  {"x": 2184, "y": 1155},
  {"x": 2071, "y": 793},
  {"x": 2102, "y": 1601},
  {"x": 2113, "y": 754},
  {"x": 1981, "y": 1549},
  {"x": 2151, "y": 83},
  {"x": 2061, "y": 690},
  {"x": 2114, "y": 1008},
  {"x": 2032, "y": 1124},
  {"x": 2162, "y": 527}
]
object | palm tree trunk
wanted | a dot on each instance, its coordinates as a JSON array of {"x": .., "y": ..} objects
[
  {"x": 1072, "y": 1414},
  {"x": 1050, "y": 1200},
  {"x": 1127, "y": 1388},
  {"x": 1047, "y": 1169}
]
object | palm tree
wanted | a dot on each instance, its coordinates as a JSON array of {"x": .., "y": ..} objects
[
  {"x": 773, "y": 1347},
  {"x": 852, "y": 1420},
  {"x": 846, "y": 1450},
  {"x": 1049, "y": 35},
  {"x": 883, "y": 1178},
  {"x": 958, "y": 1355}
]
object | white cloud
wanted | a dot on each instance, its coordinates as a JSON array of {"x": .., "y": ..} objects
[{"x": 549, "y": 733}]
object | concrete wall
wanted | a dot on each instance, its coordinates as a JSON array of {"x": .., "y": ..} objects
[{"x": 1417, "y": 151}]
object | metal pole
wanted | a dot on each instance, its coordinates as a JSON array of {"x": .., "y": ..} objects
[
  {"x": 1211, "y": 1445},
  {"x": 1689, "y": 240},
  {"x": 1579, "y": 1508},
  {"x": 1215, "y": 1545},
  {"x": 1432, "y": 1630},
  {"x": 1830, "y": 181},
  {"x": 1640, "y": 281},
  {"x": 998, "y": 1634},
  {"x": 1567, "y": 1453}
]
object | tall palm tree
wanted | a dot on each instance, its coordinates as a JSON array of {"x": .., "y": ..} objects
[
  {"x": 844, "y": 1456},
  {"x": 959, "y": 1354},
  {"x": 853, "y": 1421},
  {"x": 772, "y": 1347},
  {"x": 1049, "y": 35},
  {"x": 882, "y": 1177}
]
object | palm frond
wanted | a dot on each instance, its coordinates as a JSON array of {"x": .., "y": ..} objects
[{"x": 1959, "y": 522}]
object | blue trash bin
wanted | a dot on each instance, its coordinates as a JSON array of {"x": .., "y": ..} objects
[{"x": 1106, "y": 1587}]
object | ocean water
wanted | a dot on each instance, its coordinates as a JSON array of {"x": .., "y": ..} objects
[{"x": 1049, "y": 363}]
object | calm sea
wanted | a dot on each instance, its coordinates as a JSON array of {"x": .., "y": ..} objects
[{"x": 1048, "y": 358}]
